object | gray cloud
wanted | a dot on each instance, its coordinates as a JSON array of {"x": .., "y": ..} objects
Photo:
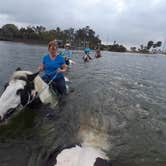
[{"x": 129, "y": 22}]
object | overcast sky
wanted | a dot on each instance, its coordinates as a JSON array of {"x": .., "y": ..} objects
[{"x": 129, "y": 22}]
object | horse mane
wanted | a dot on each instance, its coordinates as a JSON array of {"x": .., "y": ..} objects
[{"x": 21, "y": 73}]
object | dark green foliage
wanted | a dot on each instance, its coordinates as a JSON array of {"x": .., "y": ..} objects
[
  {"x": 79, "y": 38},
  {"x": 154, "y": 45},
  {"x": 158, "y": 44},
  {"x": 9, "y": 32},
  {"x": 115, "y": 47},
  {"x": 149, "y": 45},
  {"x": 133, "y": 49}
]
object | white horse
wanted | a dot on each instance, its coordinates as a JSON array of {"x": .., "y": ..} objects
[{"x": 23, "y": 88}]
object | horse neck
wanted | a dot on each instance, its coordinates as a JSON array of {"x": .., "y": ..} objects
[{"x": 40, "y": 85}]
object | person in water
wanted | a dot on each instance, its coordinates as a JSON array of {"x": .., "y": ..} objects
[
  {"x": 86, "y": 56},
  {"x": 54, "y": 67},
  {"x": 67, "y": 54},
  {"x": 98, "y": 53}
]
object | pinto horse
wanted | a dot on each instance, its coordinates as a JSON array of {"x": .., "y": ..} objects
[
  {"x": 78, "y": 155},
  {"x": 23, "y": 88}
]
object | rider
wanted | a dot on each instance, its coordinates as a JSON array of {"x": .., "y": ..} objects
[
  {"x": 67, "y": 54},
  {"x": 98, "y": 53},
  {"x": 54, "y": 67},
  {"x": 87, "y": 56}
]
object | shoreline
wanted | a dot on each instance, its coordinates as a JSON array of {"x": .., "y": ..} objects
[{"x": 44, "y": 43}]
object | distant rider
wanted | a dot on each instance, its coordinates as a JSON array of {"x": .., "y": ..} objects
[
  {"x": 86, "y": 56},
  {"x": 67, "y": 53},
  {"x": 98, "y": 53}
]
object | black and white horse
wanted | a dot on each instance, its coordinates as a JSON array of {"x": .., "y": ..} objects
[
  {"x": 91, "y": 151},
  {"x": 23, "y": 88},
  {"x": 80, "y": 155}
]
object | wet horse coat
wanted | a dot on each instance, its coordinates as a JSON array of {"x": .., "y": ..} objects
[
  {"x": 78, "y": 155},
  {"x": 23, "y": 87}
]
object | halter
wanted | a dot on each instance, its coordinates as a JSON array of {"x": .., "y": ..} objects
[
  {"x": 31, "y": 98},
  {"x": 37, "y": 94}
]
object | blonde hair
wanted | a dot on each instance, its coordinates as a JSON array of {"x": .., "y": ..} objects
[{"x": 53, "y": 43}]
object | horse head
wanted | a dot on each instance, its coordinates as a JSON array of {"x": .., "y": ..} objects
[{"x": 18, "y": 92}]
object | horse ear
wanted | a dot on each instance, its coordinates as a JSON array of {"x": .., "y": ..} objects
[
  {"x": 31, "y": 77},
  {"x": 18, "y": 69}
]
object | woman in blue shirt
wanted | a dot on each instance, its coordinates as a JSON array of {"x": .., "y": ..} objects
[{"x": 54, "y": 66}]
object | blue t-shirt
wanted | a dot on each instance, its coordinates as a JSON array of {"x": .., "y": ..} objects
[
  {"x": 67, "y": 53},
  {"x": 52, "y": 65}
]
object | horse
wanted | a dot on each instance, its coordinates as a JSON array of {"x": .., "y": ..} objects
[
  {"x": 78, "y": 155},
  {"x": 90, "y": 150},
  {"x": 69, "y": 62},
  {"x": 23, "y": 88}
]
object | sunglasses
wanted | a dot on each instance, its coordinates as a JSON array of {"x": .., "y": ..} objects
[{"x": 53, "y": 46}]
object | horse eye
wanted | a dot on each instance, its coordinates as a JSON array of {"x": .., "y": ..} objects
[
  {"x": 19, "y": 91},
  {"x": 6, "y": 85}
]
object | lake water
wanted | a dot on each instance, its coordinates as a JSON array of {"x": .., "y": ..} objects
[{"x": 119, "y": 100}]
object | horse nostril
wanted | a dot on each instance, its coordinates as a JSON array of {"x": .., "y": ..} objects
[
  {"x": 1, "y": 118},
  {"x": 9, "y": 112}
]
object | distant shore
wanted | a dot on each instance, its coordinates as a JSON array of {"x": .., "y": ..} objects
[
  {"x": 44, "y": 43},
  {"x": 29, "y": 41}
]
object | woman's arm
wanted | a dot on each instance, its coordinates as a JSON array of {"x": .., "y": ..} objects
[
  {"x": 41, "y": 67},
  {"x": 63, "y": 69}
]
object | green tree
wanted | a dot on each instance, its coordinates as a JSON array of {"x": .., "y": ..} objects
[
  {"x": 133, "y": 49},
  {"x": 9, "y": 31},
  {"x": 158, "y": 44},
  {"x": 79, "y": 37},
  {"x": 117, "y": 48},
  {"x": 86, "y": 37},
  {"x": 39, "y": 29},
  {"x": 150, "y": 44}
]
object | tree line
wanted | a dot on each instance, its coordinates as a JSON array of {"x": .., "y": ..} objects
[
  {"x": 114, "y": 47},
  {"x": 78, "y": 38},
  {"x": 146, "y": 48},
  {"x": 83, "y": 37}
]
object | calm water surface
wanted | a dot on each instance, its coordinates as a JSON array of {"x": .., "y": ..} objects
[{"x": 120, "y": 98}]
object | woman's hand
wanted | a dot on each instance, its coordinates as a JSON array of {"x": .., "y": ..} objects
[
  {"x": 59, "y": 70},
  {"x": 41, "y": 67},
  {"x": 63, "y": 70}
]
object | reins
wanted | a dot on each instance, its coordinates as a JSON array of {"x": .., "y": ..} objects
[{"x": 38, "y": 94}]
